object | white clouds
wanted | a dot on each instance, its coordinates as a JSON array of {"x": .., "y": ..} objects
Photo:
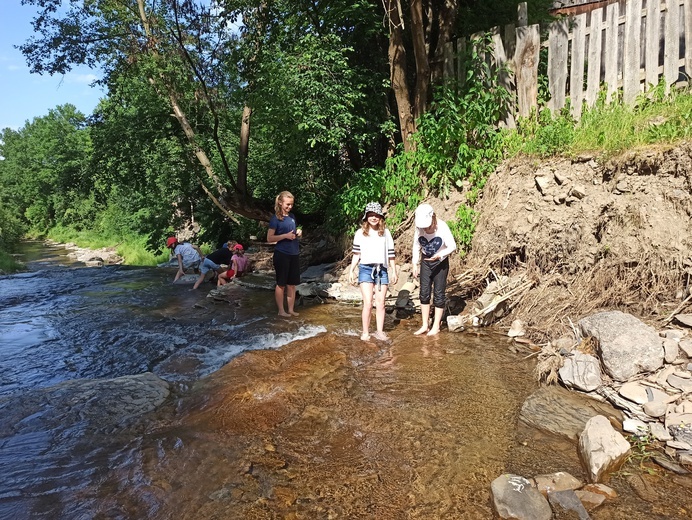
[{"x": 81, "y": 78}]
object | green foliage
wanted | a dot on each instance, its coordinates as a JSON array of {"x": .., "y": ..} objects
[
  {"x": 366, "y": 186},
  {"x": 463, "y": 227},
  {"x": 542, "y": 134}
]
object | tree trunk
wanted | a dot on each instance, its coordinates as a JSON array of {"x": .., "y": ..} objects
[
  {"x": 241, "y": 181},
  {"x": 446, "y": 19},
  {"x": 420, "y": 98},
  {"x": 397, "y": 67}
]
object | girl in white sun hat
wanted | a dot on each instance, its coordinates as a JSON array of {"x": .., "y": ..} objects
[
  {"x": 433, "y": 242},
  {"x": 373, "y": 249}
]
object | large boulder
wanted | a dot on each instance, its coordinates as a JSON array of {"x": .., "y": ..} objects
[
  {"x": 515, "y": 497},
  {"x": 627, "y": 346},
  {"x": 602, "y": 448}
]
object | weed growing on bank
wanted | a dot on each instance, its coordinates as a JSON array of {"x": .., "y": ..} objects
[{"x": 609, "y": 128}]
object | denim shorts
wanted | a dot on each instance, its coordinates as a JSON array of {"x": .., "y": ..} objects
[
  {"x": 208, "y": 265},
  {"x": 368, "y": 273}
]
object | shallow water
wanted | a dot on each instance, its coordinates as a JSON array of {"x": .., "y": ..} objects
[{"x": 309, "y": 423}]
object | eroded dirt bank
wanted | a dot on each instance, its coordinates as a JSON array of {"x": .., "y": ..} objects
[{"x": 590, "y": 234}]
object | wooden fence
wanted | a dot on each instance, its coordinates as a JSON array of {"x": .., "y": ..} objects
[{"x": 627, "y": 45}]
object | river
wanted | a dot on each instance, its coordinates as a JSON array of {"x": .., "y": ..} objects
[{"x": 252, "y": 416}]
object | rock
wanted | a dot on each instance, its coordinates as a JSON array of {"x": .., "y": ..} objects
[
  {"x": 682, "y": 433},
  {"x": 601, "y": 448},
  {"x": 685, "y": 458},
  {"x": 679, "y": 445},
  {"x": 557, "y": 410},
  {"x": 317, "y": 273},
  {"x": 627, "y": 346},
  {"x": 589, "y": 499},
  {"x": 514, "y": 497},
  {"x": 678, "y": 420},
  {"x": 673, "y": 334},
  {"x": 560, "y": 178},
  {"x": 685, "y": 319},
  {"x": 659, "y": 432},
  {"x": 581, "y": 371},
  {"x": 686, "y": 346},
  {"x": 560, "y": 481},
  {"x": 517, "y": 329},
  {"x": 681, "y": 383},
  {"x": 456, "y": 323},
  {"x": 601, "y": 489},
  {"x": 567, "y": 503},
  {"x": 635, "y": 426},
  {"x": 642, "y": 487},
  {"x": 670, "y": 350},
  {"x": 577, "y": 191},
  {"x": 634, "y": 392},
  {"x": 655, "y": 408},
  {"x": 542, "y": 183},
  {"x": 670, "y": 465}
]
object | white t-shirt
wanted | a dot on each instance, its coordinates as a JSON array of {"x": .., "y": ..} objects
[
  {"x": 190, "y": 256},
  {"x": 373, "y": 248},
  {"x": 440, "y": 243}
]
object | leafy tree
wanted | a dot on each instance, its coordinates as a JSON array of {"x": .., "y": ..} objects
[{"x": 45, "y": 169}]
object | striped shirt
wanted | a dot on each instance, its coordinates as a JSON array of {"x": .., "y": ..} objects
[{"x": 373, "y": 249}]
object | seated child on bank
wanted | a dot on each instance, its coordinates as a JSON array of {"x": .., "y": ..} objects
[{"x": 238, "y": 267}]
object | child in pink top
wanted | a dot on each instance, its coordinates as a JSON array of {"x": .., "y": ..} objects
[{"x": 238, "y": 267}]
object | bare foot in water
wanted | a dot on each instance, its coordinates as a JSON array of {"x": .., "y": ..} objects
[
  {"x": 365, "y": 337},
  {"x": 294, "y": 313},
  {"x": 420, "y": 331},
  {"x": 433, "y": 331},
  {"x": 284, "y": 315}
]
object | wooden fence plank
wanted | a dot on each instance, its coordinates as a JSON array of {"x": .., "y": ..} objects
[
  {"x": 671, "y": 51},
  {"x": 510, "y": 39},
  {"x": 593, "y": 73},
  {"x": 522, "y": 14},
  {"x": 526, "y": 64},
  {"x": 504, "y": 68},
  {"x": 652, "y": 43},
  {"x": 632, "y": 51},
  {"x": 576, "y": 75},
  {"x": 557, "y": 63},
  {"x": 687, "y": 5},
  {"x": 612, "y": 46}
]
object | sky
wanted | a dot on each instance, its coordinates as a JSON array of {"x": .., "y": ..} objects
[{"x": 24, "y": 96}]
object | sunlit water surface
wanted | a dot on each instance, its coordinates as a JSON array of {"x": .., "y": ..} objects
[{"x": 313, "y": 423}]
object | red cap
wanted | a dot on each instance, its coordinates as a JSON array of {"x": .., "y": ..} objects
[
  {"x": 171, "y": 241},
  {"x": 238, "y": 247}
]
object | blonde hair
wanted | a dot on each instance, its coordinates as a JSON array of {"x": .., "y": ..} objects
[
  {"x": 277, "y": 204},
  {"x": 365, "y": 226}
]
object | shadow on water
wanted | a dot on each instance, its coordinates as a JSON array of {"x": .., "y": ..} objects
[{"x": 124, "y": 396}]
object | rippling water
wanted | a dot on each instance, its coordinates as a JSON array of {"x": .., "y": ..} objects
[{"x": 309, "y": 423}]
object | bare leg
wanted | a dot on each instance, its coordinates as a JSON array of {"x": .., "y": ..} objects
[
  {"x": 279, "y": 297},
  {"x": 291, "y": 299},
  {"x": 199, "y": 280},
  {"x": 366, "y": 293},
  {"x": 425, "y": 313},
  {"x": 439, "y": 311},
  {"x": 380, "y": 294}
]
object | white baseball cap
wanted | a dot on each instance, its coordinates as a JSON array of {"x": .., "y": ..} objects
[{"x": 424, "y": 215}]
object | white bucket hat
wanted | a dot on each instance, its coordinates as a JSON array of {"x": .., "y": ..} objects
[
  {"x": 373, "y": 207},
  {"x": 424, "y": 216}
]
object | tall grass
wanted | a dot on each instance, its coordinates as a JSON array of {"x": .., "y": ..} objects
[
  {"x": 608, "y": 128},
  {"x": 8, "y": 264},
  {"x": 133, "y": 248}
]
